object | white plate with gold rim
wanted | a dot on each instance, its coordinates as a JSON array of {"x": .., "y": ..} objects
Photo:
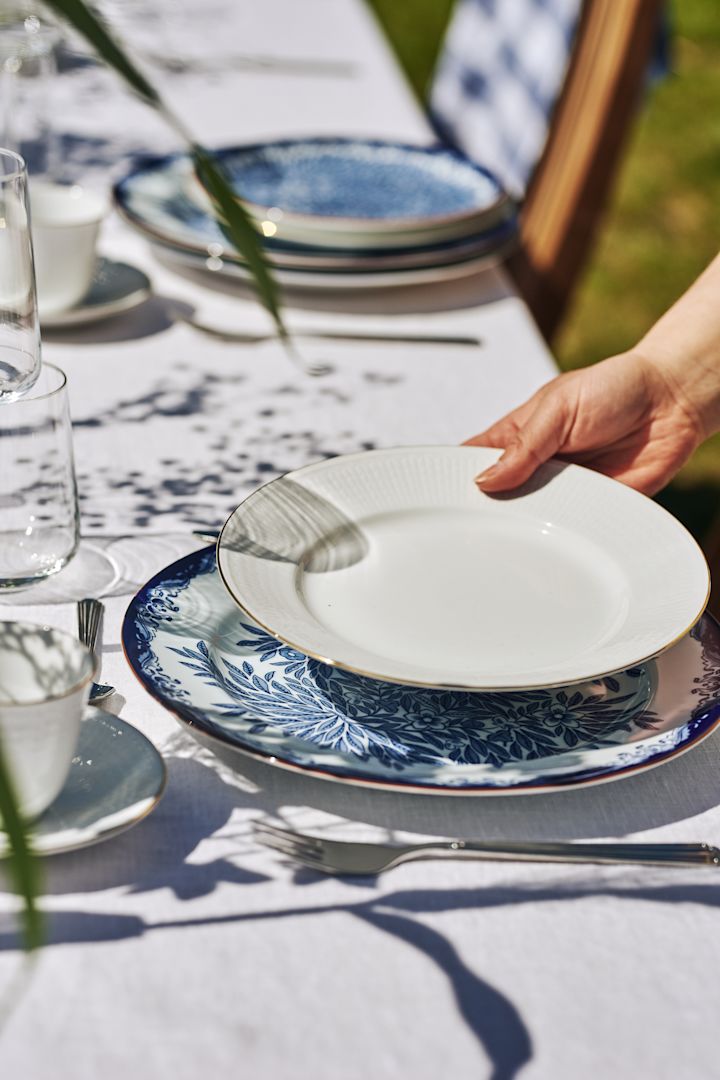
[{"x": 392, "y": 564}]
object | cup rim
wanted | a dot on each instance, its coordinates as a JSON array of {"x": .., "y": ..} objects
[
  {"x": 25, "y": 399},
  {"x": 78, "y": 685},
  {"x": 102, "y": 205},
  {"x": 20, "y": 169}
]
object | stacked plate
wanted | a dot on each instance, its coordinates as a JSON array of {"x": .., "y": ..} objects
[
  {"x": 333, "y": 213},
  {"x": 376, "y": 619}
]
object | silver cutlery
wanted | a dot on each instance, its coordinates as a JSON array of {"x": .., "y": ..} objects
[
  {"x": 254, "y": 62},
  {"x": 206, "y": 537},
  {"x": 89, "y": 614},
  {"x": 386, "y": 337},
  {"x": 349, "y": 857}
]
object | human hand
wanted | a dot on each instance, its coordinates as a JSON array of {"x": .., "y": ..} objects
[{"x": 627, "y": 417}]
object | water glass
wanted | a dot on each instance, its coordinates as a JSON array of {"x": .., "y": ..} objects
[
  {"x": 19, "y": 328},
  {"x": 39, "y": 519},
  {"x": 28, "y": 73}
]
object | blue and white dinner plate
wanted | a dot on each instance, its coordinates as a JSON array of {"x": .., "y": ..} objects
[
  {"x": 240, "y": 689},
  {"x": 317, "y": 197}
]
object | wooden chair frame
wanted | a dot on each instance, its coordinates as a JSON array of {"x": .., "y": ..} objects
[{"x": 571, "y": 184}]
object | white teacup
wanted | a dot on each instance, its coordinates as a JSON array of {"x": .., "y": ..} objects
[
  {"x": 45, "y": 679},
  {"x": 65, "y": 226}
]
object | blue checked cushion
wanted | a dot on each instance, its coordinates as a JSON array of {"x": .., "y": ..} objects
[{"x": 499, "y": 74}]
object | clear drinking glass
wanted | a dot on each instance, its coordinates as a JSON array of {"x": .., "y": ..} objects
[
  {"x": 39, "y": 518},
  {"x": 28, "y": 74},
  {"x": 19, "y": 328}
]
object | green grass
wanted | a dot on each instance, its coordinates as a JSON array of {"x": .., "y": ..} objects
[{"x": 663, "y": 225}]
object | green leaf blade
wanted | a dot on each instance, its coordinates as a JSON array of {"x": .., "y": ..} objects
[
  {"x": 23, "y": 865},
  {"x": 88, "y": 24},
  {"x": 240, "y": 229},
  {"x": 234, "y": 217}
]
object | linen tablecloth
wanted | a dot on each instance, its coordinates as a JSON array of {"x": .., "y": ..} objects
[{"x": 183, "y": 949}]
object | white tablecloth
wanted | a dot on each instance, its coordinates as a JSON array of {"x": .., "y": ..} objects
[{"x": 183, "y": 949}]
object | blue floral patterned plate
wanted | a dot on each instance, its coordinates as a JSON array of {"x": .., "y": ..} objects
[{"x": 233, "y": 684}]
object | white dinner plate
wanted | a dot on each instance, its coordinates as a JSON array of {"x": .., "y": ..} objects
[
  {"x": 116, "y": 779},
  {"x": 392, "y": 564}
]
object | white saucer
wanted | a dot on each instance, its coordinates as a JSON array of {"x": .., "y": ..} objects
[
  {"x": 116, "y": 779},
  {"x": 116, "y": 287}
]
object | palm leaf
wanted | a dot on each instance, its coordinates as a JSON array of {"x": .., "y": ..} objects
[
  {"x": 232, "y": 216},
  {"x": 236, "y": 224},
  {"x": 24, "y": 867}
]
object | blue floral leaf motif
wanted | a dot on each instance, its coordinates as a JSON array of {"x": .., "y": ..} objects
[
  {"x": 265, "y": 688},
  {"x": 521, "y": 742},
  {"x": 612, "y": 684},
  {"x": 155, "y": 606}
]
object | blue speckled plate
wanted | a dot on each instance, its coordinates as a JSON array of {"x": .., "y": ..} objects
[
  {"x": 355, "y": 182},
  {"x": 243, "y": 691},
  {"x": 315, "y": 196}
]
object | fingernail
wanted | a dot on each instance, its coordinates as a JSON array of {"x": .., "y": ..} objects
[{"x": 488, "y": 474}]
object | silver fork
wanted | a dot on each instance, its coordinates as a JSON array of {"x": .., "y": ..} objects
[
  {"x": 89, "y": 613},
  {"x": 348, "y": 857}
]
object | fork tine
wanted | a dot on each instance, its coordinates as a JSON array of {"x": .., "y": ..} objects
[
  {"x": 312, "y": 860},
  {"x": 283, "y": 849},
  {"x": 277, "y": 830},
  {"x": 268, "y": 828},
  {"x": 288, "y": 847},
  {"x": 278, "y": 842}
]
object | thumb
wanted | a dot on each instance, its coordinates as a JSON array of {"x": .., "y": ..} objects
[{"x": 541, "y": 436}]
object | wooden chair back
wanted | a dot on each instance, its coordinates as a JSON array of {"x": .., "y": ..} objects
[{"x": 570, "y": 187}]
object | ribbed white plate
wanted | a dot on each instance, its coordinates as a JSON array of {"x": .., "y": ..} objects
[{"x": 394, "y": 565}]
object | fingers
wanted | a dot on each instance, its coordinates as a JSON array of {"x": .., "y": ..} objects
[
  {"x": 527, "y": 444},
  {"x": 500, "y": 434}
]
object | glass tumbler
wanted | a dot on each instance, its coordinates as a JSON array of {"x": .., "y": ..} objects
[
  {"x": 39, "y": 518},
  {"x": 19, "y": 327},
  {"x": 28, "y": 79}
]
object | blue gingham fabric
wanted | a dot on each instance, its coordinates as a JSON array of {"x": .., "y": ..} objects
[{"x": 500, "y": 72}]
